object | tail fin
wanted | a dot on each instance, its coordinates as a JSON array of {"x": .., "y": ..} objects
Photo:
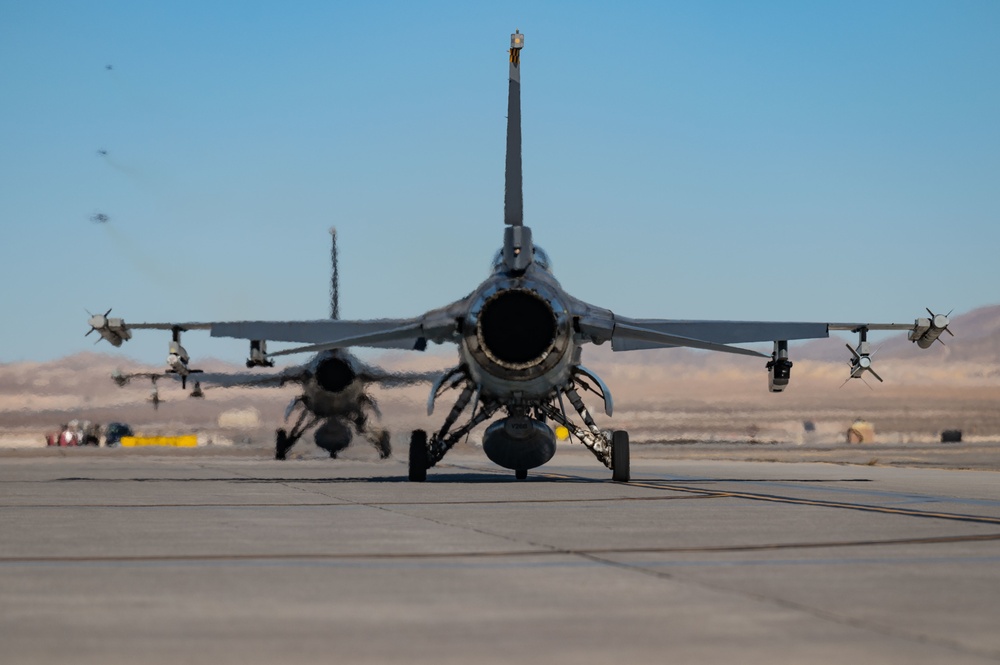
[
  {"x": 513, "y": 203},
  {"x": 334, "y": 277},
  {"x": 517, "y": 247}
]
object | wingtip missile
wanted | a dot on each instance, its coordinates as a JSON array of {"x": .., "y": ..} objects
[
  {"x": 113, "y": 330},
  {"x": 926, "y": 331}
]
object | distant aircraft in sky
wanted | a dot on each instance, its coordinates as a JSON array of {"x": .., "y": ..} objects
[
  {"x": 335, "y": 383},
  {"x": 520, "y": 339}
]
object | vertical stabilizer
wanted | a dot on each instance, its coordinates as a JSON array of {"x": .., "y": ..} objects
[
  {"x": 334, "y": 277},
  {"x": 513, "y": 204}
]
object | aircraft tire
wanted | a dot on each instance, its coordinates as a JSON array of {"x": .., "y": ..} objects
[
  {"x": 521, "y": 474},
  {"x": 418, "y": 456},
  {"x": 280, "y": 444},
  {"x": 619, "y": 456}
]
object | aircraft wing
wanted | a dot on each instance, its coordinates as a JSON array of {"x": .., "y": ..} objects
[
  {"x": 121, "y": 378},
  {"x": 625, "y": 338},
  {"x": 438, "y": 325},
  {"x": 251, "y": 379},
  {"x": 170, "y": 326},
  {"x": 300, "y": 373},
  {"x": 321, "y": 331},
  {"x": 627, "y": 334},
  {"x": 403, "y": 334}
]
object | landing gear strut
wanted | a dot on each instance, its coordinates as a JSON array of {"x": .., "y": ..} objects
[
  {"x": 383, "y": 446},
  {"x": 613, "y": 451},
  {"x": 281, "y": 444},
  {"x": 376, "y": 436},
  {"x": 611, "y": 448},
  {"x": 283, "y": 441},
  {"x": 426, "y": 453}
]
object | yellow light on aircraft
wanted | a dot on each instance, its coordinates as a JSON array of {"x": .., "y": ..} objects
[{"x": 562, "y": 433}]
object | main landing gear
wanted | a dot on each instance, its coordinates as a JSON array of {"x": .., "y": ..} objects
[
  {"x": 618, "y": 460},
  {"x": 611, "y": 448}
]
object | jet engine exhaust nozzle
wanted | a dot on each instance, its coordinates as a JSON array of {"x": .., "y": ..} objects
[
  {"x": 516, "y": 329},
  {"x": 334, "y": 374}
]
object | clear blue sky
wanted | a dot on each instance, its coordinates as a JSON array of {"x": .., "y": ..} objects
[{"x": 791, "y": 160}]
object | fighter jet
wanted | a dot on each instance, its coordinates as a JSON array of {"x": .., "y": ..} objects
[
  {"x": 335, "y": 383},
  {"x": 520, "y": 337},
  {"x": 335, "y": 395}
]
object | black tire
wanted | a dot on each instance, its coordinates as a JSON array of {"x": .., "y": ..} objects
[
  {"x": 281, "y": 444},
  {"x": 619, "y": 456},
  {"x": 521, "y": 474},
  {"x": 418, "y": 456}
]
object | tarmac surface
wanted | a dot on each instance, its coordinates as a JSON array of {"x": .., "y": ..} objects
[{"x": 116, "y": 556}]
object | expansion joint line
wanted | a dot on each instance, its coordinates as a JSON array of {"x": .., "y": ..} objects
[{"x": 958, "y": 517}]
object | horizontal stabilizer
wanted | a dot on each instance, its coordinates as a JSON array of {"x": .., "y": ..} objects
[{"x": 396, "y": 379}]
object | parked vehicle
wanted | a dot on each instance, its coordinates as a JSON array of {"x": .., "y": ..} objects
[{"x": 114, "y": 432}]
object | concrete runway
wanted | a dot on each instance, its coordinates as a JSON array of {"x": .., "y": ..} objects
[{"x": 195, "y": 557}]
